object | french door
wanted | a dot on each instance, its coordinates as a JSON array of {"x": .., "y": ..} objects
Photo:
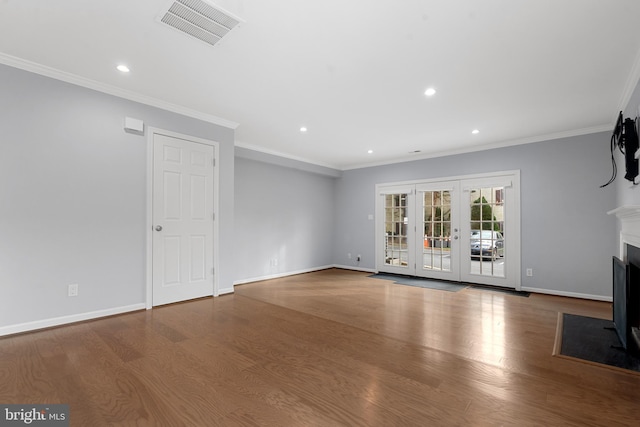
[{"x": 465, "y": 229}]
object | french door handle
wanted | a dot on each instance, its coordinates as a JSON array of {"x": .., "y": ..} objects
[
  {"x": 455, "y": 237},
  {"x": 158, "y": 228}
]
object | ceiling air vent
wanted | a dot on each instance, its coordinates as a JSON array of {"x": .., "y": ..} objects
[{"x": 199, "y": 19}]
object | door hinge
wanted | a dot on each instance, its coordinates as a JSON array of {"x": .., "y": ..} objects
[
  {"x": 213, "y": 162},
  {"x": 213, "y": 216},
  {"x": 213, "y": 271}
]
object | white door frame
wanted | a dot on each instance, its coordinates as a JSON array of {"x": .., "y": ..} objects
[
  {"x": 149, "y": 220},
  {"x": 514, "y": 275}
]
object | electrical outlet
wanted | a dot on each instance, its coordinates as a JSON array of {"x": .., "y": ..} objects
[
  {"x": 349, "y": 255},
  {"x": 73, "y": 290},
  {"x": 529, "y": 272}
]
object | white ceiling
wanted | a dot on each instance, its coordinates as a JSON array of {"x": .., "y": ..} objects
[{"x": 353, "y": 72}]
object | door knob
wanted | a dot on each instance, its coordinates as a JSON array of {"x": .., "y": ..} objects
[
  {"x": 455, "y": 237},
  {"x": 158, "y": 228}
]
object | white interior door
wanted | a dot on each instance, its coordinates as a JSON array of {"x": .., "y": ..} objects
[
  {"x": 182, "y": 217},
  {"x": 465, "y": 229}
]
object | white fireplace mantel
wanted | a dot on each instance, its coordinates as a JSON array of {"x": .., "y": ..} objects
[{"x": 629, "y": 217}]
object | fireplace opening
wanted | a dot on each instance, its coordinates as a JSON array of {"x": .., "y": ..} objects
[{"x": 626, "y": 299}]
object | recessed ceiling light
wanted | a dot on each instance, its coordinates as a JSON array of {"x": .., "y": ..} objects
[
  {"x": 475, "y": 131},
  {"x": 123, "y": 68},
  {"x": 370, "y": 152},
  {"x": 430, "y": 91},
  {"x": 303, "y": 129}
]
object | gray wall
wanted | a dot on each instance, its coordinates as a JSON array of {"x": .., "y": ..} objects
[
  {"x": 567, "y": 237},
  {"x": 73, "y": 197},
  {"x": 283, "y": 214}
]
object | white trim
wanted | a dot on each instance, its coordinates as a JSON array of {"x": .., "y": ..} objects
[
  {"x": 567, "y": 294},
  {"x": 279, "y": 275},
  {"x": 149, "y": 220},
  {"x": 350, "y": 267},
  {"x": 507, "y": 183},
  {"x": 473, "y": 149},
  {"x": 64, "y": 76},
  {"x": 629, "y": 217},
  {"x": 64, "y": 320},
  {"x": 283, "y": 155},
  {"x": 216, "y": 222},
  {"x": 449, "y": 178},
  {"x": 396, "y": 189}
]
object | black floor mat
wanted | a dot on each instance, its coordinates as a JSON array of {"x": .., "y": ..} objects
[
  {"x": 442, "y": 285},
  {"x": 594, "y": 340},
  {"x": 420, "y": 282}
]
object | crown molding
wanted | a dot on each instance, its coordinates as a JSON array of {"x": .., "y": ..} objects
[
  {"x": 64, "y": 76},
  {"x": 263, "y": 150},
  {"x": 491, "y": 146}
]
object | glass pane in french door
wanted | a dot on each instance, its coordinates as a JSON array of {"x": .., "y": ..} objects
[
  {"x": 487, "y": 245},
  {"x": 436, "y": 226},
  {"x": 396, "y": 227}
]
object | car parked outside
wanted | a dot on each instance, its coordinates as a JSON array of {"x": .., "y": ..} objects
[{"x": 487, "y": 244}]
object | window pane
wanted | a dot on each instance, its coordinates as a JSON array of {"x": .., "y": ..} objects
[
  {"x": 436, "y": 254},
  {"x": 487, "y": 251}
]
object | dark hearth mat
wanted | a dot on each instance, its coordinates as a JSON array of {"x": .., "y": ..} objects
[
  {"x": 594, "y": 340},
  {"x": 420, "y": 282}
]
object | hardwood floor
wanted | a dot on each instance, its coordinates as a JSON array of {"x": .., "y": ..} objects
[{"x": 323, "y": 349}]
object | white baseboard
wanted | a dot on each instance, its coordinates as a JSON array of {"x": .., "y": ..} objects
[
  {"x": 308, "y": 270},
  {"x": 64, "y": 320},
  {"x": 278, "y": 275},
  {"x": 568, "y": 294},
  {"x": 351, "y": 267},
  {"x": 225, "y": 291}
]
